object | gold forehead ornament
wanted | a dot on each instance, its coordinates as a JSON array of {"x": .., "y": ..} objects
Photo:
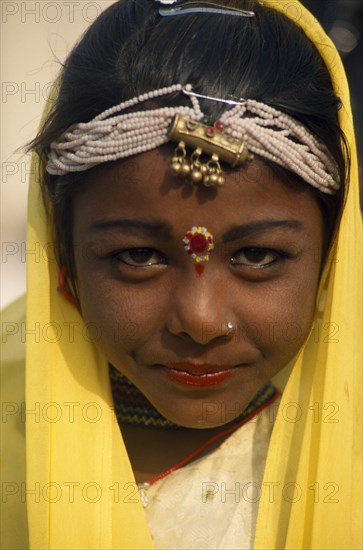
[{"x": 206, "y": 140}]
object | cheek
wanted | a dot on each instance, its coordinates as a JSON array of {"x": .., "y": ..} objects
[
  {"x": 278, "y": 319},
  {"x": 124, "y": 317},
  {"x": 292, "y": 318}
]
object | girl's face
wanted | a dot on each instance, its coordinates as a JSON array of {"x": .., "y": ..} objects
[{"x": 163, "y": 324}]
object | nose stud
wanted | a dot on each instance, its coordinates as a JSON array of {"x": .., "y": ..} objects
[{"x": 230, "y": 328}]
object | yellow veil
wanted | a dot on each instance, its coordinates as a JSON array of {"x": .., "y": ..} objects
[{"x": 81, "y": 489}]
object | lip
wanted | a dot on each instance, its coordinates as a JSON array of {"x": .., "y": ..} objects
[
  {"x": 199, "y": 375},
  {"x": 204, "y": 380},
  {"x": 199, "y": 369}
]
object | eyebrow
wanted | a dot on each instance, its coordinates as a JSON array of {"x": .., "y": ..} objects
[
  {"x": 159, "y": 229},
  {"x": 255, "y": 228},
  {"x": 134, "y": 227}
]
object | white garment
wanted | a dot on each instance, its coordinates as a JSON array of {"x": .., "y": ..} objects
[{"x": 212, "y": 503}]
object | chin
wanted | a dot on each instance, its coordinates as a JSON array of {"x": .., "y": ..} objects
[{"x": 203, "y": 414}]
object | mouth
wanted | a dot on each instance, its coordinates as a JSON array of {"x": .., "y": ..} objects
[
  {"x": 199, "y": 369},
  {"x": 199, "y": 374}
]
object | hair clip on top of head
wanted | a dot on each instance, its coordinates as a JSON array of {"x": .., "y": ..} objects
[
  {"x": 180, "y": 7},
  {"x": 209, "y": 140}
]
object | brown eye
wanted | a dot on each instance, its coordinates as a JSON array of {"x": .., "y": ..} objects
[
  {"x": 255, "y": 257},
  {"x": 141, "y": 257}
]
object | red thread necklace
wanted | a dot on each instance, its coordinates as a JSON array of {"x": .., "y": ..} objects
[{"x": 211, "y": 440}]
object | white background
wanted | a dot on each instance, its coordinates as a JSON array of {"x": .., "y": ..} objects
[{"x": 35, "y": 37}]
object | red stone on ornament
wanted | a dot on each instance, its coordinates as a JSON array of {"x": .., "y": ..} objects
[
  {"x": 219, "y": 126},
  {"x": 198, "y": 243},
  {"x": 210, "y": 132}
]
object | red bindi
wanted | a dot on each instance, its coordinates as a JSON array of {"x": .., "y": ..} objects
[{"x": 199, "y": 244}]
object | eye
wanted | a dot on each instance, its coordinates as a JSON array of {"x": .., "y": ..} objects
[
  {"x": 140, "y": 257},
  {"x": 256, "y": 258}
]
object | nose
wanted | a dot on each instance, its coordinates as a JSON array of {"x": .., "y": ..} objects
[{"x": 201, "y": 308}]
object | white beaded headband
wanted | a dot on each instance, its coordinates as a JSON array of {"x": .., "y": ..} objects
[{"x": 249, "y": 127}]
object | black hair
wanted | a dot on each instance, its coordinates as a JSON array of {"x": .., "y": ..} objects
[{"x": 131, "y": 49}]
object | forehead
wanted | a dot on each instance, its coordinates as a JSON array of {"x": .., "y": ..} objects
[{"x": 143, "y": 187}]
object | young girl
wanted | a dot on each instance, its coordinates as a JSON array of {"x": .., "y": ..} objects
[{"x": 194, "y": 171}]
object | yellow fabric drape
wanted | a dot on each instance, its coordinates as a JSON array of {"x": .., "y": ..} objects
[
  {"x": 75, "y": 453},
  {"x": 81, "y": 489},
  {"x": 320, "y": 453},
  {"x": 13, "y": 530}
]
